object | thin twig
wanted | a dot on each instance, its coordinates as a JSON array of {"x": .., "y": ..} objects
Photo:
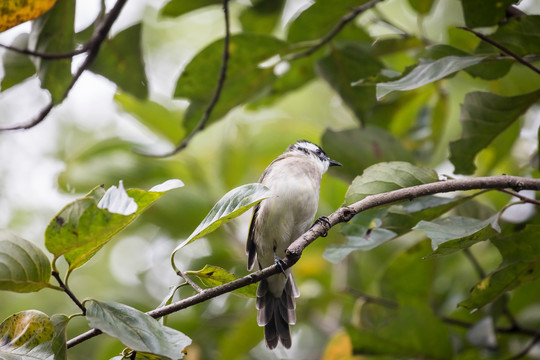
[
  {"x": 68, "y": 292},
  {"x": 189, "y": 281},
  {"x": 219, "y": 87},
  {"x": 47, "y": 56},
  {"x": 526, "y": 350},
  {"x": 339, "y": 26},
  {"x": 502, "y": 48},
  {"x": 372, "y": 299},
  {"x": 93, "y": 45},
  {"x": 521, "y": 197},
  {"x": 344, "y": 214}
]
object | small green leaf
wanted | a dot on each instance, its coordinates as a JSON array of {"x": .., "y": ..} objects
[
  {"x": 385, "y": 177},
  {"x": 176, "y": 8},
  {"x": 346, "y": 63},
  {"x": 162, "y": 121},
  {"x": 454, "y": 233},
  {"x": 17, "y": 67},
  {"x": 54, "y": 32},
  {"x": 483, "y": 117},
  {"x": 358, "y": 149},
  {"x": 362, "y": 242},
  {"x": 82, "y": 228},
  {"x": 135, "y": 329},
  {"x": 120, "y": 60},
  {"x": 23, "y": 266},
  {"x": 212, "y": 276},
  {"x": 478, "y": 13},
  {"x": 428, "y": 72},
  {"x": 231, "y": 205},
  {"x": 27, "y": 335}
]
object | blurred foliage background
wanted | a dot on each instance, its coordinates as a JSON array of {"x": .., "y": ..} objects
[{"x": 147, "y": 89}]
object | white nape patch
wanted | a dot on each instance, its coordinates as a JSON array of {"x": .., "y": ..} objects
[{"x": 308, "y": 146}]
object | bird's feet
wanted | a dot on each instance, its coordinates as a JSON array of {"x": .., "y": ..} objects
[
  {"x": 280, "y": 263},
  {"x": 323, "y": 219}
]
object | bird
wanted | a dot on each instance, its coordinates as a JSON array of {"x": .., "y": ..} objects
[{"x": 294, "y": 178}]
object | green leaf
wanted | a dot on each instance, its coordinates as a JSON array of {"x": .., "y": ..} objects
[
  {"x": 17, "y": 67},
  {"x": 212, "y": 276},
  {"x": 346, "y": 63},
  {"x": 54, "y": 33},
  {"x": 427, "y": 72},
  {"x": 421, "y": 6},
  {"x": 408, "y": 331},
  {"x": 483, "y": 117},
  {"x": 176, "y": 8},
  {"x": 454, "y": 233},
  {"x": 478, "y": 13},
  {"x": 262, "y": 17},
  {"x": 27, "y": 335},
  {"x": 231, "y": 205},
  {"x": 521, "y": 246},
  {"x": 59, "y": 340},
  {"x": 358, "y": 149},
  {"x": 362, "y": 242},
  {"x": 245, "y": 80},
  {"x": 120, "y": 60},
  {"x": 135, "y": 329},
  {"x": 162, "y": 121},
  {"x": 23, "y": 266},
  {"x": 385, "y": 177},
  {"x": 82, "y": 228}
]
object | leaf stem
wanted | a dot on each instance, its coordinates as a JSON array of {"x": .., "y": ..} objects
[
  {"x": 66, "y": 289},
  {"x": 189, "y": 281}
]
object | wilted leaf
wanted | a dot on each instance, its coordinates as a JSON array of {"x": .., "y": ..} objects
[
  {"x": 384, "y": 177},
  {"x": 345, "y": 64},
  {"x": 245, "y": 77},
  {"x": 428, "y": 72},
  {"x": 454, "y": 233},
  {"x": 479, "y": 13},
  {"x": 483, "y": 117},
  {"x": 23, "y": 266},
  {"x": 117, "y": 201},
  {"x": 55, "y": 34},
  {"x": 82, "y": 228},
  {"x": 15, "y": 12},
  {"x": 232, "y": 204},
  {"x": 135, "y": 329},
  {"x": 212, "y": 276},
  {"x": 120, "y": 60},
  {"x": 27, "y": 335}
]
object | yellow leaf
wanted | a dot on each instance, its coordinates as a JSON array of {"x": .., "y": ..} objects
[
  {"x": 339, "y": 347},
  {"x": 15, "y": 12}
]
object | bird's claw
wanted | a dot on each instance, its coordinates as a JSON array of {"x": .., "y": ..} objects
[
  {"x": 323, "y": 219},
  {"x": 280, "y": 263}
]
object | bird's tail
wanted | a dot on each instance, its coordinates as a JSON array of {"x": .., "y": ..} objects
[{"x": 277, "y": 313}]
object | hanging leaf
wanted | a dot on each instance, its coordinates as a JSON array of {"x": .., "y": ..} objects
[
  {"x": 17, "y": 67},
  {"x": 27, "y": 335},
  {"x": 15, "y": 12},
  {"x": 23, "y": 266},
  {"x": 135, "y": 329},
  {"x": 82, "y": 228},
  {"x": 483, "y": 117},
  {"x": 384, "y": 177},
  {"x": 428, "y": 72},
  {"x": 212, "y": 276},
  {"x": 454, "y": 233}
]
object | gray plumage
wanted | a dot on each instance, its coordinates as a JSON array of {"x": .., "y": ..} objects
[{"x": 294, "y": 178}]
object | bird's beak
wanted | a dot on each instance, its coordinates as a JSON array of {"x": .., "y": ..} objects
[{"x": 334, "y": 163}]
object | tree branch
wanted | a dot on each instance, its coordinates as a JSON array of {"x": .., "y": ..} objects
[
  {"x": 339, "y": 26},
  {"x": 92, "y": 47},
  {"x": 320, "y": 228},
  {"x": 47, "y": 56},
  {"x": 502, "y": 48},
  {"x": 519, "y": 196}
]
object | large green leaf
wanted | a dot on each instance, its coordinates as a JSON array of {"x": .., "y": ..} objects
[
  {"x": 358, "y": 148},
  {"x": 164, "y": 122},
  {"x": 27, "y": 335},
  {"x": 54, "y": 33},
  {"x": 454, "y": 233},
  {"x": 231, "y": 205},
  {"x": 384, "y": 177},
  {"x": 82, "y": 228},
  {"x": 521, "y": 35},
  {"x": 180, "y": 7},
  {"x": 262, "y": 17},
  {"x": 483, "y": 117},
  {"x": 212, "y": 276},
  {"x": 245, "y": 80},
  {"x": 479, "y": 13},
  {"x": 428, "y": 72},
  {"x": 23, "y": 266},
  {"x": 346, "y": 63},
  {"x": 17, "y": 67},
  {"x": 135, "y": 329},
  {"x": 120, "y": 60}
]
